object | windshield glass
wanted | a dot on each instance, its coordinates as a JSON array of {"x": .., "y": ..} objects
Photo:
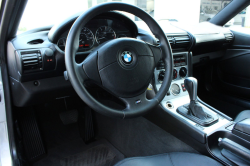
[{"x": 41, "y": 13}]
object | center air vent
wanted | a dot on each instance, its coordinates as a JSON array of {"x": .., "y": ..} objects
[
  {"x": 31, "y": 61},
  {"x": 179, "y": 41},
  {"x": 229, "y": 37}
]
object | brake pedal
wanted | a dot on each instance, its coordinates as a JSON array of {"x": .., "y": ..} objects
[{"x": 68, "y": 117}]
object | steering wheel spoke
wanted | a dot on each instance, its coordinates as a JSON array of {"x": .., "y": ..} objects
[
  {"x": 157, "y": 52},
  {"x": 80, "y": 73},
  {"x": 90, "y": 68},
  {"x": 136, "y": 105}
]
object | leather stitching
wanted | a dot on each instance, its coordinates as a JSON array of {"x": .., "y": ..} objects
[{"x": 171, "y": 159}]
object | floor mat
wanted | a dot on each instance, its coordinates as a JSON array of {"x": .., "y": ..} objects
[
  {"x": 99, "y": 155},
  {"x": 139, "y": 137},
  {"x": 64, "y": 145},
  {"x": 77, "y": 153}
]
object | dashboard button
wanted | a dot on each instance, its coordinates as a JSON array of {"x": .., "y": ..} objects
[
  {"x": 183, "y": 72},
  {"x": 175, "y": 73},
  {"x": 183, "y": 63},
  {"x": 161, "y": 76}
]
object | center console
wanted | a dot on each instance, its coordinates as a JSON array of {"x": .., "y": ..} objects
[
  {"x": 222, "y": 138},
  {"x": 177, "y": 99}
]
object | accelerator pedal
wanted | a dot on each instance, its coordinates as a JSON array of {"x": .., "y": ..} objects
[
  {"x": 86, "y": 126},
  {"x": 68, "y": 117}
]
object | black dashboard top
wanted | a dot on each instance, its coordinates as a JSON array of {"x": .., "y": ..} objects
[{"x": 98, "y": 30}]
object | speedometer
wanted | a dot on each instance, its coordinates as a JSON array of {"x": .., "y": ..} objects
[
  {"x": 86, "y": 39},
  {"x": 104, "y": 33}
]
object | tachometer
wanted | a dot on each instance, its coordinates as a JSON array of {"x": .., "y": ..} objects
[
  {"x": 86, "y": 39},
  {"x": 104, "y": 33}
]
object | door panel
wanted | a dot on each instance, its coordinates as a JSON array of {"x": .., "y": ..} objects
[{"x": 232, "y": 72}]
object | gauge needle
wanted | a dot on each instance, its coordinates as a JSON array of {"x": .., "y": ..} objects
[{"x": 101, "y": 38}]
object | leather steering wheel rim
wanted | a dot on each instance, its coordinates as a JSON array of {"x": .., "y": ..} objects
[{"x": 78, "y": 73}]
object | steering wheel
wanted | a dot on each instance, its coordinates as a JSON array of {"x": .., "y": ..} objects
[{"x": 124, "y": 67}]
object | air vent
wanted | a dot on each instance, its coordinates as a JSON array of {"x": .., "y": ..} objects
[
  {"x": 179, "y": 41},
  {"x": 37, "y": 41},
  {"x": 229, "y": 37},
  {"x": 182, "y": 41},
  {"x": 31, "y": 61},
  {"x": 170, "y": 39}
]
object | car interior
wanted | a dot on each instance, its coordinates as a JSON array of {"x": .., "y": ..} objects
[{"x": 97, "y": 89}]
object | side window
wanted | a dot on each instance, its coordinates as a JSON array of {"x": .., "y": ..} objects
[
  {"x": 241, "y": 22},
  {"x": 0, "y": 10}
]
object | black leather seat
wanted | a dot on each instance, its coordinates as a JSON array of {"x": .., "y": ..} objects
[
  {"x": 170, "y": 159},
  {"x": 177, "y": 158},
  {"x": 242, "y": 115}
]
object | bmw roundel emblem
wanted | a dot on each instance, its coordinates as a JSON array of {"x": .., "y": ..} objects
[{"x": 127, "y": 57}]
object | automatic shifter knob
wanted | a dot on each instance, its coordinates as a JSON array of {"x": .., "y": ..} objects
[
  {"x": 194, "y": 110},
  {"x": 191, "y": 86}
]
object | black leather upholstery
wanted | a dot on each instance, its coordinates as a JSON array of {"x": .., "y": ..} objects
[
  {"x": 242, "y": 115},
  {"x": 170, "y": 159},
  {"x": 243, "y": 126}
]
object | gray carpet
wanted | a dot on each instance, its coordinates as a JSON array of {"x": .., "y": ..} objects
[
  {"x": 64, "y": 144},
  {"x": 115, "y": 138},
  {"x": 139, "y": 137}
]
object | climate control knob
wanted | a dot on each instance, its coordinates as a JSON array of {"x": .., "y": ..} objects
[
  {"x": 161, "y": 76},
  {"x": 183, "y": 72},
  {"x": 175, "y": 73}
]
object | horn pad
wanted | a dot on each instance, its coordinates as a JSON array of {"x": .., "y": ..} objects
[{"x": 125, "y": 66}]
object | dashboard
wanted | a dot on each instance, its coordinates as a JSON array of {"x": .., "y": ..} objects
[
  {"x": 36, "y": 58},
  {"x": 96, "y": 32}
]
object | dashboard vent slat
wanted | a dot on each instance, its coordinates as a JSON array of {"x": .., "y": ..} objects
[
  {"x": 29, "y": 58},
  {"x": 30, "y": 62}
]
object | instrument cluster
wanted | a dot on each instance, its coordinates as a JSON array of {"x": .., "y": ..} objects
[{"x": 96, "y": 32}]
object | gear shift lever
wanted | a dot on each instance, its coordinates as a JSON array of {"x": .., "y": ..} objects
[
  {"x": 191, "y": 86},
  {"x": 194, "y": 110}
]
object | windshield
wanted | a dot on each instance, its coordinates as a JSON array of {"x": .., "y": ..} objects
[{"x": 41, "y": 13}]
